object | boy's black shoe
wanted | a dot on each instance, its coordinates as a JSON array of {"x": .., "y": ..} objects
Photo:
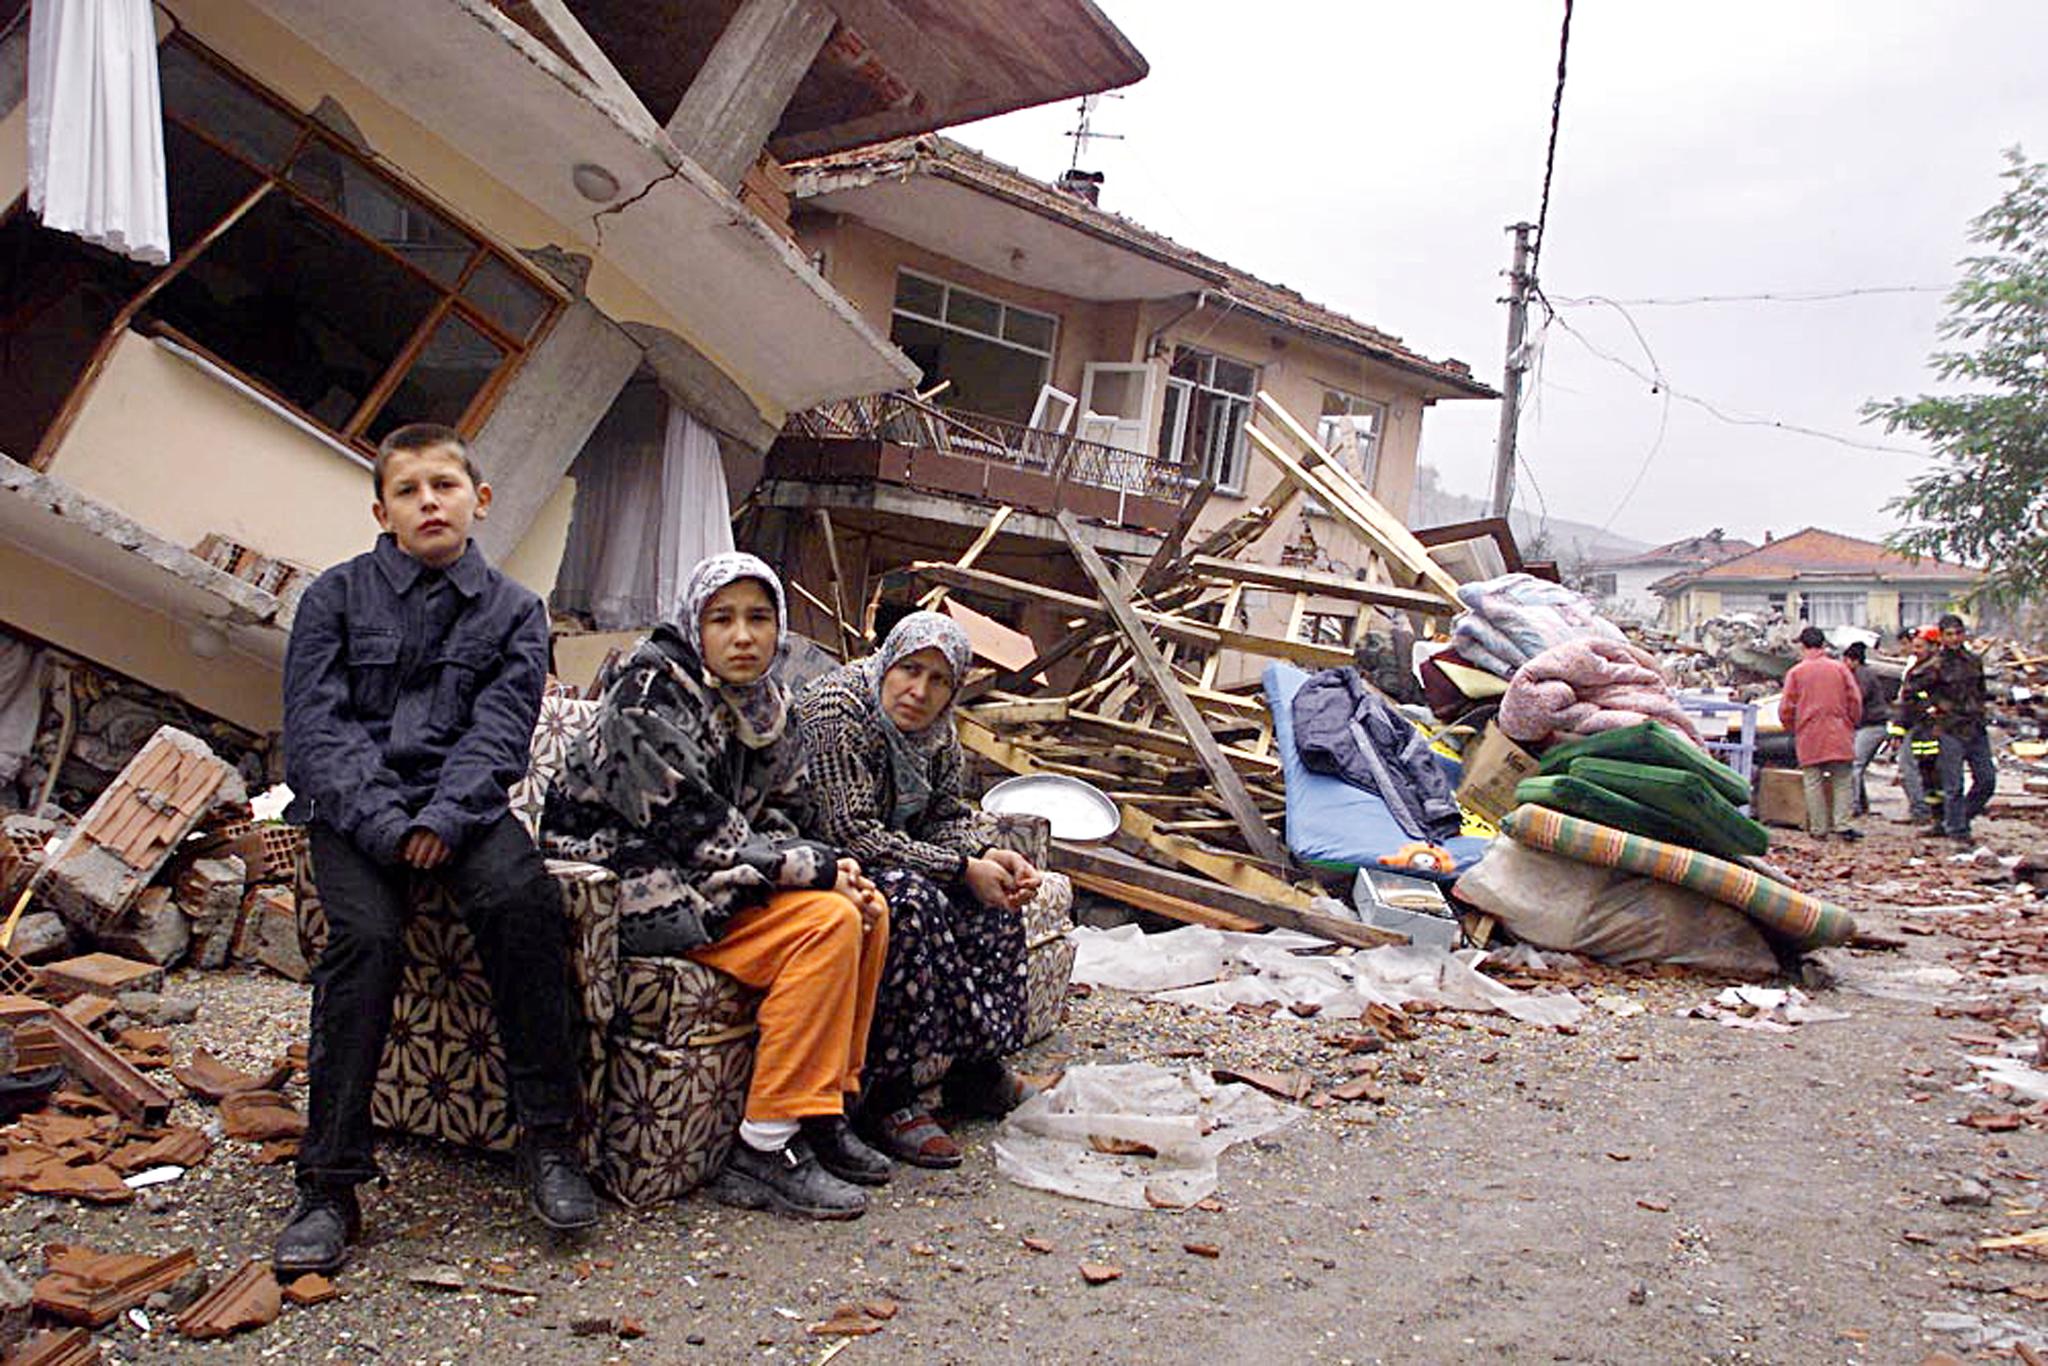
[
  {"x": 789, "y": 1180},
  {"x": 316, "y": 1237},
  {"x": 841, "y": 1152},
  {"x": 556, "y": 1187}
]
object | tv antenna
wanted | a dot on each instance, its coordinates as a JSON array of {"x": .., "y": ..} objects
[{"x": 1085, "y": 133}]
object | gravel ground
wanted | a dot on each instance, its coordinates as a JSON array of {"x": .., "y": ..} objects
[{"x": 1651, "y": 1187}]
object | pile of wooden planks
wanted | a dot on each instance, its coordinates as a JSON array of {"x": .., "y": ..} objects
[{"x": 1188, "y": 758}]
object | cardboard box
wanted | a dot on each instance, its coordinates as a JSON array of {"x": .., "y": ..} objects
[
  {"x": 1781, "y": 797},
  {"x": 1492, "y": 768}
]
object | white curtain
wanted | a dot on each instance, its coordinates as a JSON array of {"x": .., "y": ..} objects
[
  {"x": 96, "y": 125},
  {"x": 650, "y": 502}
]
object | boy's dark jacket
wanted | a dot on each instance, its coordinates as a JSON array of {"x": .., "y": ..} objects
[{"x": 408, "y": 704}]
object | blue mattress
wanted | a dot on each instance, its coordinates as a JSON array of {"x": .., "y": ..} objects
[{"x": 1330, "y": 823}]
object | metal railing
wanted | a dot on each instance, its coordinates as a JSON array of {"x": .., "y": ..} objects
[{"x": 909, "y": 421}]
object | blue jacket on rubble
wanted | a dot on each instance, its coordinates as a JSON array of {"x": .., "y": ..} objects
[
  {"x": 1344, "y": 728},
  {"x": 410, "y": 696}
]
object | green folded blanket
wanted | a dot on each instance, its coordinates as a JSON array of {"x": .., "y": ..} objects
[
  {"x": 1578, "y": 797},
  {"x": 1709, "y": 822},
  {"x": 1651, "y": 743}
]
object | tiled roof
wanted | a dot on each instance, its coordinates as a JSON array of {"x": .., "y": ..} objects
[
  {"x": 1690, "y": 550},
  {"x": 950, "y": 160},
  {"x": 1816, "y": 554}
]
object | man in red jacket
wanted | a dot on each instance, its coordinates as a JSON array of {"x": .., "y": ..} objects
[{"x": 1821, "y": 707}]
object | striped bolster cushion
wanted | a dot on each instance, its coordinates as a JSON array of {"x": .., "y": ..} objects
[{"x": 1808, "y": 923}]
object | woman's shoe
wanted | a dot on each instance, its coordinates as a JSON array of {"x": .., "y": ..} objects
[
  {"x": 911, "y": 1135},
  {"x": 987, "y": 1091}
]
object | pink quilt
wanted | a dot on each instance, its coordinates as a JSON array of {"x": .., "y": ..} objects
[{"x": 1585, "y": 686}]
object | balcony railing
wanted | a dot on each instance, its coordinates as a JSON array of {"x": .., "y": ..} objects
[{"x": 909, "y": 421}]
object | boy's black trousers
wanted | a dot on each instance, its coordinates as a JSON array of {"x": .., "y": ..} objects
[{"x": 514, "y": 912}]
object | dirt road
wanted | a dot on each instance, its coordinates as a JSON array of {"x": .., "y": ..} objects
[{"x": 1651, "y": 1188}]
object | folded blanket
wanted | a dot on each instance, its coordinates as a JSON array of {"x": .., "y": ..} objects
[
  {"x": 1586, "y": 686},
  {"x": 1512, "y": 619}
]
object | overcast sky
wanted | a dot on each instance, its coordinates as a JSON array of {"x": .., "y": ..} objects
[{"x": 1370, "y": 154}]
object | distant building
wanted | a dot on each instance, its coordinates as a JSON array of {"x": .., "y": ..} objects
[
  {"x": 1820, "y": 577},
  {"x": 1622, "y": 584}
]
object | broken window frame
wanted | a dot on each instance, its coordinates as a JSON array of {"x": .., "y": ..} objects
[
  {"x": 1328, "y": 628},
  {"x": 275, "y": 179},
  {"x": 998, "y": 337},
  {"x": 1202, "y": 422},
  {"x": 1349, "y": 405}
]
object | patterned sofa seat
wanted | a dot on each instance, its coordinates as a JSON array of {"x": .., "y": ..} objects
[
  {"x": 667, "y": 1044},
  {"x": 443, "y": 1071}
]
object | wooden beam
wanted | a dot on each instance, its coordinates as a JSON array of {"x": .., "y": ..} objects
[
  {"x": 1073, "y": 859},
  {"x": 1166, "y": 561},
  {"x": 740, "y": 92},
  {"x": 1161, "y": 903},
  {"x": 1321, "y": 584},
  {"x": 1258, "y": 835},
  {"x": 849, "y": 640},
  {"x": 1353, "y": 503},
  {"x": 931, "y": 600},
  {"x": 1166, "y": 624}
]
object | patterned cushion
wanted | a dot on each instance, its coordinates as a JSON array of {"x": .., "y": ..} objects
[
  {"x": 1048, "y": 969},
  {"x": 670, "y": 1001},
  {"x": 561, "y": 720},
  {"x": 443, "y": 1071},
  {"x": 1806, "y": 922},
  {"x": 671, "y": 1114}
]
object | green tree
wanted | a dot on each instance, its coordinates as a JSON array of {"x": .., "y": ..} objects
[{"x": 1985, "y": 497}]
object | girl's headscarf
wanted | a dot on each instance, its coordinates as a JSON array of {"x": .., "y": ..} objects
[
  {"x": 760, "y": 709},
  {"x": 910, "y": 753}
]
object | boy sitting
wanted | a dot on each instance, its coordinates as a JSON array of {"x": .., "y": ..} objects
[{"x": 412, "y": 683}]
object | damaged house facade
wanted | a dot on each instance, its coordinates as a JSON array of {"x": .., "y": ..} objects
[
  {"x": 1069, "y": 359},
  {"x": 539, "y": 221}
]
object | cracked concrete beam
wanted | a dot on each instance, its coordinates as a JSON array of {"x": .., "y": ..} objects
[{"x": 247, "y": 604}]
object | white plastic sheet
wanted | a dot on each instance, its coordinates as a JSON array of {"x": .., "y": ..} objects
[
  {"x": 1054, "y": 1140},
  {"x": 96, "y": 126},
  {"x": 1216, "y": 970}
]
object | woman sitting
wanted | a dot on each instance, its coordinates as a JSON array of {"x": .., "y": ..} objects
[
  {"x": 885, "y": 787},
  {"x": 683, "y": 787}
]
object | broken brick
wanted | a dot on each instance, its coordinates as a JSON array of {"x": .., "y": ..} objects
[{"x": 248, "y": 1298}]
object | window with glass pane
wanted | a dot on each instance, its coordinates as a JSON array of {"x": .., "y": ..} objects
[
  {"x": 1745, "y": 602},
  {"x": 1922, "y": 608},
  {"x": 338, "y": 289},
  {"x": 1208, "y": 405},
  {"x": 915, "y": 294},
  {"x": 1837, "y": 609},
  {"x": 317, "y": 315},
  {"x": 994, "y": 358},
  {"x": 443, "y": 380},
  {"x": 218, "y": 105}
]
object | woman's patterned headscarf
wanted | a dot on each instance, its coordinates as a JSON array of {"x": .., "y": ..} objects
[
  {"x": 910, "y": 753},
  {"x": 760, "y": 709}
]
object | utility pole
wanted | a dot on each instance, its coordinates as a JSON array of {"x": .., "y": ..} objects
[{"x": 1511, "y": 380}]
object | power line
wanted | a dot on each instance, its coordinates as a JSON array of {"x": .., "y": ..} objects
[
  {"x": 1564, "y": 42},
  {"x": 1788, "y": 297},
  {"x": 1734, "y": 419}
]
